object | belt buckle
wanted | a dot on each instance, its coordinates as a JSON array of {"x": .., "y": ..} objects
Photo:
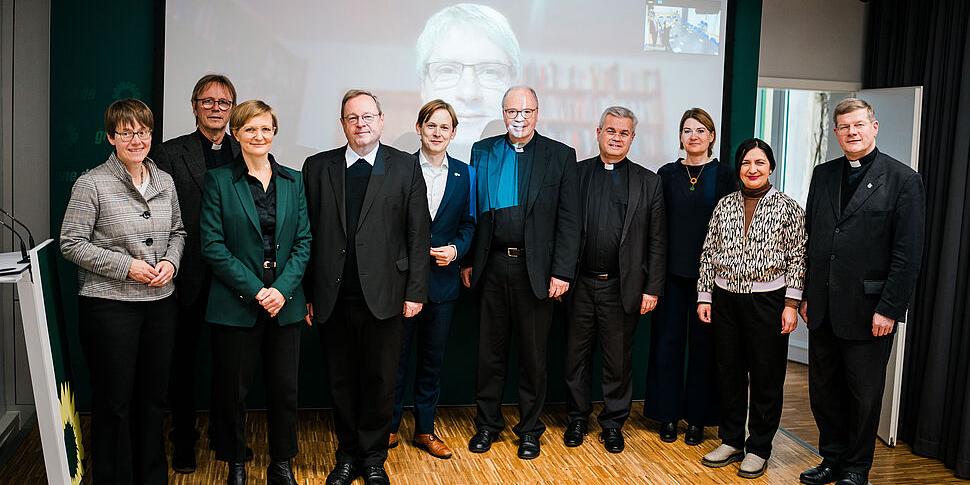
[
  {"x": 602, "y": 276},
  {"x": 269, "y": 264},
  {"x": 513, "y": 252}
]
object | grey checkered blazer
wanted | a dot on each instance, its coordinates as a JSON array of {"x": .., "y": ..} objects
[{"x": 108, "y": 223}]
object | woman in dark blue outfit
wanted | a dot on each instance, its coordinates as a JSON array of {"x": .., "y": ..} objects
[{"x": 692, "y": 187}]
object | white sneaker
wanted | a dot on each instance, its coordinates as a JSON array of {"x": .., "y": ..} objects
[
  {"x": 753, "y": 466},
  {"x": 722, "y": 456}
]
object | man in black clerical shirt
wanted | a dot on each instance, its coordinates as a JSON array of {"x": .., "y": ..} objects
[
  {"x": 369, "y": 265},
  {"x": 522, "y": 259},
  {"x": 864, "y": 215},
  {"x": 622, "y": 260},
  {"x": 187, "y": 158}
]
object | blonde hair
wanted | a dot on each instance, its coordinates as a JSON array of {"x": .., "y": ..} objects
[{"x": 248, "y": 110}]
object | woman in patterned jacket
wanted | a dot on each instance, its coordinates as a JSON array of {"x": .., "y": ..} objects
[{"x": 752, "y": 272}]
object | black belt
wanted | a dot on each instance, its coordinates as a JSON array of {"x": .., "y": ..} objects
[
  {"x": 600, "y": 276},
  {"x": 269, "y": 272},
  {"x": 269, "y": 264},
  {"x": 512, "y": 252}
]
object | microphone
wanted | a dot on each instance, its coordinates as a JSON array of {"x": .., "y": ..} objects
[
  {"x": 23, "y": 246},
  {"x": 30, "y": 236}
]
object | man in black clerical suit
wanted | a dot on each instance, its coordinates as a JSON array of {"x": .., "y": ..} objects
[
  {"x": 186, "y": 158},
  {"x": 620, "y": 276},
  {"x": 369, "y": 265},
  {"x": 523, "y": 258},
  {"x": 864, "y": 215}
]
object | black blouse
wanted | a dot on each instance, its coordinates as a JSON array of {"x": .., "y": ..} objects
[{"x": 689, "y": 211}]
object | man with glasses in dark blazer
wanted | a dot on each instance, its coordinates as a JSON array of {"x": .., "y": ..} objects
[
  {"x": 187, "y": 158},
  {"x": 865, "y": 215},
  {"x": 368, "y": 267},
  {"x": 523, "y": 259}
]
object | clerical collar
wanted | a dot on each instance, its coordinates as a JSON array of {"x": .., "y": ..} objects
[
  {"x": 611, "y": 166},
  {"x": 866, "y": 160},
  {"x": 518, "y": 147},
  {"x": 206, "y": 142}
]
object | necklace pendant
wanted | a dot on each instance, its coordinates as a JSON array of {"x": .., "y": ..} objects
[{"x": 691, "y": 188}]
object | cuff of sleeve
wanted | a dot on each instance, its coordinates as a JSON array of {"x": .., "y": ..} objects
[
  {"x": 176, "y": 273},
  {"x": 793, "y": 293},
  {"x": 452, "y": 246},
  {"x": 560, "y": 277},
  {"x": 703, "y": 297}
]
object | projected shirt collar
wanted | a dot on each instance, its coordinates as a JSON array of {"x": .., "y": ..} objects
[{"x": 351, "y": 156}]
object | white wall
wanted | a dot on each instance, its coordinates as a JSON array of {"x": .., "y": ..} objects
[{"x": 813, "y": 39}]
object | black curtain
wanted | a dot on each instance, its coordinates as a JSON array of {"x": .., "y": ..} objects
[{"x": 920, "y": 43}]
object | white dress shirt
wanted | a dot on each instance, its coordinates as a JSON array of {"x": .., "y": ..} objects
[
  {"x": 436, "y": 179},
  {"x": 351, "y": 156}
]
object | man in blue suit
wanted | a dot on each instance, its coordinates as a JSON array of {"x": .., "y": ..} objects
[{"x": 450, "y": 184}]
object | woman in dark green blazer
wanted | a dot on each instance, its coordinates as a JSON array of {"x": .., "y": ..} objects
[{"x": 256, "y": 236}]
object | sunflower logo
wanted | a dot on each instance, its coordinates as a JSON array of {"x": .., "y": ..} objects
[{"x": 71, "y": 423}]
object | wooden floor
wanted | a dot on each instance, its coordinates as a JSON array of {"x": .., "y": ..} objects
[{"x": 646, "y": 459}]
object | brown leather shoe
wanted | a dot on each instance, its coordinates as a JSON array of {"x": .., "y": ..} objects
[
  {"x": 433, "y": 445},
  {"x": 392, "y": 441}
]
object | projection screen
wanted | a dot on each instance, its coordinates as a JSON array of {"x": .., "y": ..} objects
[{"x": 656, "y": 57}]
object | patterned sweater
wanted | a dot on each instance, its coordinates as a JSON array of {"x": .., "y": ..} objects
[
  {"x": 770, "y": 256},
  {"x": 108, "y": 223}
]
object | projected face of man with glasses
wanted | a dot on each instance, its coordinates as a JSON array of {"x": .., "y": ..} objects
[{"x": 468, "y": 56}]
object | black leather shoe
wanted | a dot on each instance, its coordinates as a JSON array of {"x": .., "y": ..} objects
[
  {"x": 819, "y": 475},
  {"x": 575, "y": 431},
  {"x": 342, "y": 474},
  {"x": 237, "y": 474},
  {"x": 853, "y": 478},
  {"x": 183, "y": 459},
  {"x": 668, "y": 432},
  {"x": 279, "y": 472},
  {"x": 482, "y": 441},
  {"x": 375, "y": 475},
  {"x": 694, "y": 435},
  {"x": 612, "y": 440},
  {"x": 528, "y": 447}
]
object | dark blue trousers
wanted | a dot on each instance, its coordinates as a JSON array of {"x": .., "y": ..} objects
[
  {"x": 430, "y": 329},
  {"x": 675, "y": 328}
]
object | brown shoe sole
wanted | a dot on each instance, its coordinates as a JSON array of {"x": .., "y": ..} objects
[{"x": 428, "y": 451}]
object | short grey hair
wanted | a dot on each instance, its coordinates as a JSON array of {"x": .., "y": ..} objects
[
  {"x": 849, "y": 105},
  {"x": 486, "y": 19},
  {"x": 520, "y": 87},
  {"x": 619, "y": 112},
  {"x": 353, "y": 93}
]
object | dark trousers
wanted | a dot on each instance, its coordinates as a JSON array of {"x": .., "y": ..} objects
[
  {"x": 508, "y": 305},
  {"x": 674, "y": 329},
  {"x": 846, "y": 380},
  {"x": 596, "y": 313},
  {"x": 236, "y": 353},
  {"x": 752, "y": 359},
  {"x": 430, "y": 329},
  {"x": 182, "y": 382},
  {"x": 128, "y": 348},
  {"x": 363, "y": 355}
]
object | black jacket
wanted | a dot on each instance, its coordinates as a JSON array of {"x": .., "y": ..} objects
[
  {"x": 393, "y": 236},
  {"x": 643, "y": 242},
  {"x": 551, "y": 219},
  {"x": 182, "y": 157},
  {"x": 865, "y": 258}
]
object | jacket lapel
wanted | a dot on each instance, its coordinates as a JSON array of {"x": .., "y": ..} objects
[
  {"x": 870, "y": 182},
  {"x": 374, "y": 184},
  {"x": 283, "y": 192},
  {"x": 194, "y": 160},
  {"x": 451, "y": 184},
  {"x": 246, "y": 201},
  {"x": 540, "y": 163},
  {"x": 335, "y": 170},
  {"x": 586, "y": 175},
  {"x": 634, "y": 192}
]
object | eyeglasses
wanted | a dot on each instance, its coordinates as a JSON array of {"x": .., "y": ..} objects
[
  {"x": 699, "y": 132},
  {"x": 126, "y": 135},
  {"x": 446, "y": 74},
  {"x": 512, "y": 113},
  {"x": 367, "y": 118},
  {"x": 250, "y": 132},
  {"x": 209, "y": 103},
  {"x": 623, "y": 135},
  {"x": 843, "y": 129}
]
